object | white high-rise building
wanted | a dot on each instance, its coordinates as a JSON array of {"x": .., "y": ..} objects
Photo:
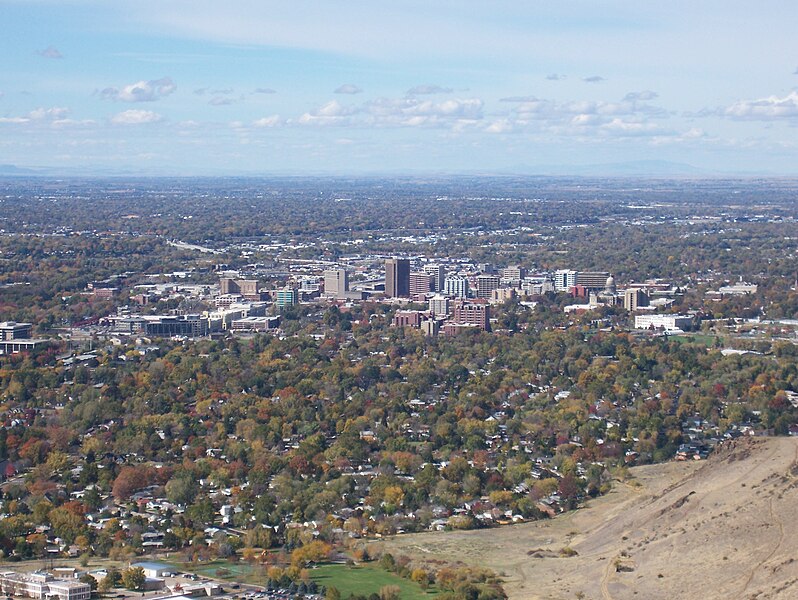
[
  {"x": 456, "y": 286},
  {"x": 439, "y": 274},
  {"x": 564, "y": 280},
  {"x": 439, "y": 305}
]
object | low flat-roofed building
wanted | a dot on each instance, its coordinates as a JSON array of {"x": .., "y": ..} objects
[
  {"x": 255, "y": 324},
  {"x": 11, "y": 330},
  {"x": 738, "y": 289},
  {"x": 15, "y": 337},
  {"x": 14, "y": 346},
  {"x": 154, "y": 569},
  {"x": 65, "y": 589},
  {"x": 43, "y": 585},
  {"x": 675, "y": 323}
]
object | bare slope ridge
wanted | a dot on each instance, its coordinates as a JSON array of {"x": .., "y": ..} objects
[{"x": 723, "y": 528}]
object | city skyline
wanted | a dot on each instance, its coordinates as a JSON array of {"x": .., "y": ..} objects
[{"x": 356, "y": 88}]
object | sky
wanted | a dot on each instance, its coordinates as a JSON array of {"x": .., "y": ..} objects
[{"x": 201, "y": 87}]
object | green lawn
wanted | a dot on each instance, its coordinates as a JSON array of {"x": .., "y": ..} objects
[
  {"x": 364, "y": 580},
  {"x": 361, "y": 580},
  {"x": 240, "y": 571},
  {"x": 697, "y": 338}
]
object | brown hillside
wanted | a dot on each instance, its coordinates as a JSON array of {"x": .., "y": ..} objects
[{"x": 724, "y": 528}]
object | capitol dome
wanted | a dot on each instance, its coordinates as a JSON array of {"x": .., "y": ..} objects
[{"x": 609, "y": 287}]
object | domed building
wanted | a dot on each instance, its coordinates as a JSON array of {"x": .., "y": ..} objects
[
  {"x": 609, "y": 295},
  {"x": 609, "y": 287}
]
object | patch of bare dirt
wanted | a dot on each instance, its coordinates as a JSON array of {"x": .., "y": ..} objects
[{"x": 722, "y": 528}]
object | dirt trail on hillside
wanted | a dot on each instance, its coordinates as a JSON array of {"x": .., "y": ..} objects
[{"x": 723, "y": 528}]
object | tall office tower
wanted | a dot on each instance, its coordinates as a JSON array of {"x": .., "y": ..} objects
[
  {"x": 336, "y": 282},
  {"x": 439, "y": 274},
  {"x": 486, "y": 284},
  {"x": 514, "y": 273},
  {"x": 397, "y": 277},
  {"x": 456, "y": 286},
  {"x": 420, "y": 283},
  {"x": 564, "y": 280},
  {"x": 439, "y": 306},
  {"x": 633, "y": 298}
]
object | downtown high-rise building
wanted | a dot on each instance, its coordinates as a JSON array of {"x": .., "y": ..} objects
[
  {"x": 336, "y": 282},
  {"x": 486, "y": 284},
  {"x": 439, "y": 306},
  {"x": 420, "y": 283},
  {"x": 456, "y": 286},
  {"x": 438, "y": 273},
  {"x": 397, "y": 277}
]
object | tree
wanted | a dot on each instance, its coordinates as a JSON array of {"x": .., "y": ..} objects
[
  {"x": 390, "y": 592},
  {"x": 133, "y": 578},
  {"x": 315, "y": 551},
  {"x": 67, "y": 522},
  {"x": 421, "y": 577},
  {"x": 332, "y": 593},
  {"x": 130, "y": 480},
  {"x": 182, "y": 489},
  {"x": 88, "y": 578},
  {"x": 105, "y": 585},
  {"x": 114, "y": 577}
]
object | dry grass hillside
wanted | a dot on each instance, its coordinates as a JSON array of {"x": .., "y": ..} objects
[{"x": 723, "y": 528}]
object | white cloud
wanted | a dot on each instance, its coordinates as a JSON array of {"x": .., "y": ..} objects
[
  {"x": 412, "y": 112},
  {"x": 597, "y": 119},
  {"x": 626, "y": 128},
  {"x": 555, "y": 77},
  {"x": 500, "y": 126},
  {"x": 48, "y": 114},
  {"x": 135, "y": 117},
  {"x": 398, "y": 112},
  {"x": 765, "y": 109},
  {"x": 331, "y": 113},
  {"x": 222, "y": 101},
  {"x": 262, "y": 90},
  {"x": 60, "y": 123},
  {"x": 519, "y": 99},
  {"x": 348, "y": 88},
  {"x": 540, "y": 109},
  {"x": 142, "y": 91},
  {"x": 644, "y": 95},
  {"x": 56, "y": 118},
  {"x": 593, "y": 79},
  {"x": 50, "y": 52},
  {"x": 40, "y": 116},
  {"x": 272, "y": 121},
  {"x": 421, "y": 90}
]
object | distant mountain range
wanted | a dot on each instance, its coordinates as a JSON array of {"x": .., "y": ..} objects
[
  {"x": 15, "y": 170},
  {"x": 662, "y": 168},
  {"x": 637, "y": 168}
]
